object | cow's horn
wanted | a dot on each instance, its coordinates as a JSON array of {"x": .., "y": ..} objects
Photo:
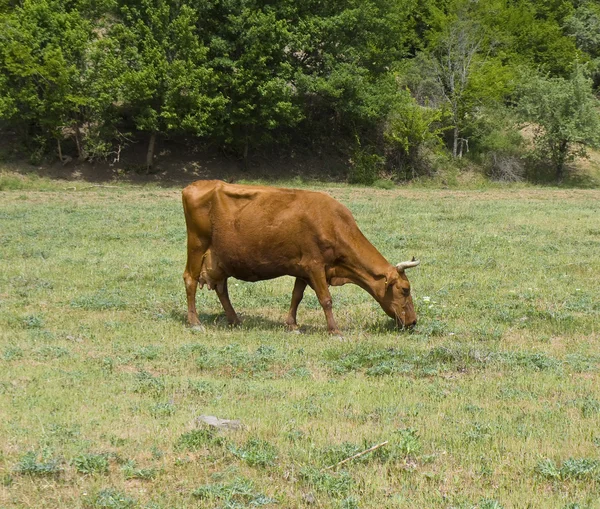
[{"x": 408, "y": 265}]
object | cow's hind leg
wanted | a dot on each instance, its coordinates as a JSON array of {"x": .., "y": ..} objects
[
  {"x": 223, "y": 295},
  {"x": 297, "y": 294},
  {"x": 196, "y": 252},
  {"x": 321, "y": 288}
]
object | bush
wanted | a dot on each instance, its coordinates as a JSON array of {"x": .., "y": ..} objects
[
  {"x": 564, "y": 114},
  {"x": 365, "y": 166},
  {"x": 409, "y": 130},
  {"x": 498, "y": 144}
]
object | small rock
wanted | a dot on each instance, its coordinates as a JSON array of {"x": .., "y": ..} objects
[
  {"x": 211, "y": 420},
  {"x": 309, "y": 498}
]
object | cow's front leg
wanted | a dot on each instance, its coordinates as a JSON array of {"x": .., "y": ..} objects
[
  {"x": 297, "y": 294},
  {"x": 321, "y": 288},
  {"x": 223, "y": 294}
]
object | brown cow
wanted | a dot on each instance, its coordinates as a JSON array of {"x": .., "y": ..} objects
[{"x": 255, "y": 233}]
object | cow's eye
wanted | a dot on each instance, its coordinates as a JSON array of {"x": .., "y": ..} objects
[{"x": 406, "y": 292}]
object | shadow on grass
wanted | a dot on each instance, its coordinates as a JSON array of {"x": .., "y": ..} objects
[
  {"x": 218, "y": 321},
  {"x": 541, "y": 175},
  {"x": 250, "y": 322},
  {"x": 385, "y": 326}
]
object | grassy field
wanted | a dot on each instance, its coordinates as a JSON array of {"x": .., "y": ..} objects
[{"x": 493, "y": 402}]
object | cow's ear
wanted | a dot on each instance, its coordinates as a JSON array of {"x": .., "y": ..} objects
[{"x": 391, "y": 278}]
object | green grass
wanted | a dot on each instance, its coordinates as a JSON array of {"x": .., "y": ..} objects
[{"x": 493, "y": 401}]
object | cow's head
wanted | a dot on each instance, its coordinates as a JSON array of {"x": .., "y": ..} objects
[{"x": 397, "y": 301}]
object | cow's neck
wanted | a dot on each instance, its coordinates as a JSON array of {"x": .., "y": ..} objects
[{"x": 367, "y": 268}]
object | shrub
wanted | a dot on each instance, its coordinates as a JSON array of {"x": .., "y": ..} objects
[
  {"x": 365, "y": 166},
  {"x": 564, "y": 113}
]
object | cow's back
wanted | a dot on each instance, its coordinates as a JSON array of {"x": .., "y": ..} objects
[{"x": 262, "y": 232}]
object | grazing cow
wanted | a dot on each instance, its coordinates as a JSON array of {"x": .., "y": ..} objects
[{"x": 255, "y": 233}]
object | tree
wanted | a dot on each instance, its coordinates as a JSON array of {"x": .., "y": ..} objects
[
  {"x": 411, "y": 127},
  {"x": 166, "y": 83},
  {"x": 565, "y": 115},
  {"x": 42, "y": 57},
  {"x": 249, "y": 50},
  {"x": 343, "y": 53},
  {"x": 584, "y": 26},
  {"x": 454, "y": 59}
]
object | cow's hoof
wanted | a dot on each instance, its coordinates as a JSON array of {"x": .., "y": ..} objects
[
  {"x": 197, "y": 328},
  {"x": 292, "y": 327}
]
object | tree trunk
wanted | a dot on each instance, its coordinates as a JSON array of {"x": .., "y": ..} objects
[
  {"x": 563, "y": 150},
  {"x": 60, "y": 156},
  {"x": 455, "y": 144},
  {"x": 150, "y": 153},
  {"x": 80, "y": 151},
  {"x": 245, "y": 153}
]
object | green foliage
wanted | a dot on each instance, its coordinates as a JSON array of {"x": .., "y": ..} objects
[
  {"x": 489, "y": 503},
  {"x": 583, "y": 469},
  {"x": 336, "y": 485},
  {"x": 165, "y": 409},
  {"x": 498, "y": 143},
  {"x": 91, "y": 463},
  {"x": 565, "y": 117},
  {"x": 146, "y": 383},
  {"x": 365, "y": 166},
  {"x": 131, "y": 471},
  {"x": 12, "y": 353},
  {"x": 87, "y": 78},
  {"x": 110, "y": 498},
  {"x": 200, "y": 438},
  {"x": 256, "y": 453},
  {"x": 409, "y": 442},
  {"x": 238, "y": 493},
  {"x": 38, "y": 464},
  {"x": 411, "y": 128}
]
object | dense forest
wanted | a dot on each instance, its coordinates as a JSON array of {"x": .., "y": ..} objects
[{"x": 399, "y": 86}]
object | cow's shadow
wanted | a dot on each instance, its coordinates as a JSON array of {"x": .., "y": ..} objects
[
  {"x": 385, "y": 326},
  {"x": 218, "y": 322},
  {"x": 254, "y": 322}
]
